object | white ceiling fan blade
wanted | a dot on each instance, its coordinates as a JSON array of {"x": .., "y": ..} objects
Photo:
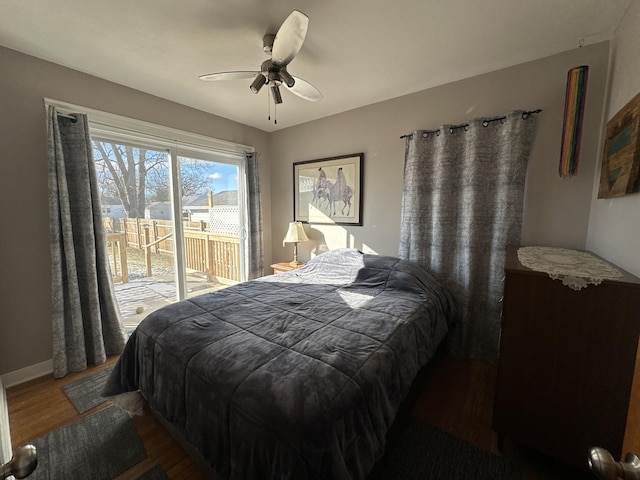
[
  {"x": 214, "y": 77},
  {"x": 289, "y": 38},
  {"x": 305, "y": 90}
]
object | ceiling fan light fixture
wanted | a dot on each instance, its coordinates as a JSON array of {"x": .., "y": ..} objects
[
  {"x": 277, "y": 96},
  {"x": 257, "y": 84},
  {"x": 287, "y": 78}
]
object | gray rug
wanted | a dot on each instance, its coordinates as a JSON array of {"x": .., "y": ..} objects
[
  {"x": 99, "y": 446},
  {"x": 419, "y": 451},
  {"x": 85, "y": 393},
  {"x": 155, "y": 473}
]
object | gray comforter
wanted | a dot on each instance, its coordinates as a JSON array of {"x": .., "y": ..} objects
[{"x": 291, "y": 376}]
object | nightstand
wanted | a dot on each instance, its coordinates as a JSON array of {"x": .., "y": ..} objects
[{"x": 284, "y": 267}]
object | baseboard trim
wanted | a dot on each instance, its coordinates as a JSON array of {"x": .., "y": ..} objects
[
  {"x": 25, "y": 374},
  {"x": 5, "y": 431},
  {"x": 9, "y": 380}
]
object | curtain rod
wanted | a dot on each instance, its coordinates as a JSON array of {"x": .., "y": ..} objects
[{"x": 485, "y": 123}]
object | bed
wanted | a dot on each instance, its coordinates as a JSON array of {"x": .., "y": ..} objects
[{"x": 297, "y": 375}]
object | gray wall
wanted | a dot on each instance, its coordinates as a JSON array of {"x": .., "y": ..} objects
[
  {"x": 614, "y": 226},
  {"x": 556, "y": 210},
  {"x": 25, "y": 287}
]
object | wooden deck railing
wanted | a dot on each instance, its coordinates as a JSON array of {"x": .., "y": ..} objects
[
  {"x": 214, "y": 254},
  {"x": 118, "y": 244}
]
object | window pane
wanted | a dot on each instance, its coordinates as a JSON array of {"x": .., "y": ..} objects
[
  {"x": 211, "y": 215},
  {"x": 136, "y": 207}
]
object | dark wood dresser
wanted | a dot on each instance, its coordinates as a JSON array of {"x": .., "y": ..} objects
[{"x": 569, "y": 372}]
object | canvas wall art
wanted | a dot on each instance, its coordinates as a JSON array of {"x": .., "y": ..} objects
[{"x": 620, "y": 172}]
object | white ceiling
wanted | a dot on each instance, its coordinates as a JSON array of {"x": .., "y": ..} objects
[{"x": 356, "y": 52}]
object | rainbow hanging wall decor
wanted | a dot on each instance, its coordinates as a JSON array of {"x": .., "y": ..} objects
[{"x": 573, "y": 115}]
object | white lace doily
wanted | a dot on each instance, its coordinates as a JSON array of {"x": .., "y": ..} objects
[{"x": 576, "y": 269}]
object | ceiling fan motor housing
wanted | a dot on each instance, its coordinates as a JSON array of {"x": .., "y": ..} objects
[{"x": 276, "y": 74}]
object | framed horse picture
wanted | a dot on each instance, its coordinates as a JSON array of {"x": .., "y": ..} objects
[{"x": 328, "y": 190}]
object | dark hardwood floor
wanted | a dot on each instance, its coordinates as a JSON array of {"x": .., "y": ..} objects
[
  {"x": 454, "y": 396},
  {"x": 40, "y": 406}
]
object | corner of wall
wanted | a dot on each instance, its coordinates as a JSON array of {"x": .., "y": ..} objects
[{"x": 601, "y": 138}]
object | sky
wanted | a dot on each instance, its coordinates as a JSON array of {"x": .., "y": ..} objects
[{"x": 222, "y": 176}]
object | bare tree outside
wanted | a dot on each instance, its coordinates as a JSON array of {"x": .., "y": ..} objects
[
  {"x": 122, "y": 173},
  {"x": 137, "y": 176},
  {"x": 194, "y": 180}
]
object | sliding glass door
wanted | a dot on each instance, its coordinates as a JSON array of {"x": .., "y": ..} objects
[
  {"x": 213, "y": 220},
  {"x": 175, "y": 222}
]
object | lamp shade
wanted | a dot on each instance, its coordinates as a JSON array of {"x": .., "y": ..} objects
[{"x": 295, "y": 234}]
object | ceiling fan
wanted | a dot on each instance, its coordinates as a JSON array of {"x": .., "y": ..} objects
[{"x": 282, "y": 47}]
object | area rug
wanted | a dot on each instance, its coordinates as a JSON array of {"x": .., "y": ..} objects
[
  {"x": 155, "y": 473},
  {"x": 419, "y": 451},
  {"x": 99, "y": 446},
  {"x": 85, "y": 393}
]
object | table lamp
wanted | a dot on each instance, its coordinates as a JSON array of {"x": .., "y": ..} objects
[{"x": 294, "y": 235}]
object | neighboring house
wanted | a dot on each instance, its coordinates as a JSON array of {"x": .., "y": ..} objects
[
  {"x": 158, "y": 211},
  {"x": 196, "y": 208},
  {"x": 112, "y": 208},
  {"x": 229, "y": 197},
  {"x": 223, "y": 217}
]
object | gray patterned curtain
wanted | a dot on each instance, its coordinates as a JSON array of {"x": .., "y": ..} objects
[
  {"x": 461, "y": 206},
  {"x": 86, "y": 325},
  {"x": 254, "y": 207}
]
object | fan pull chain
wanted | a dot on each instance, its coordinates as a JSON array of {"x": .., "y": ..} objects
[{"x": 275, "y": 112}]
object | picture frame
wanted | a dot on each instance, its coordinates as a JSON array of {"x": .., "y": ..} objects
[
  {"x": 328, "y": 190},
  {"x": 620, "y": 172}
]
